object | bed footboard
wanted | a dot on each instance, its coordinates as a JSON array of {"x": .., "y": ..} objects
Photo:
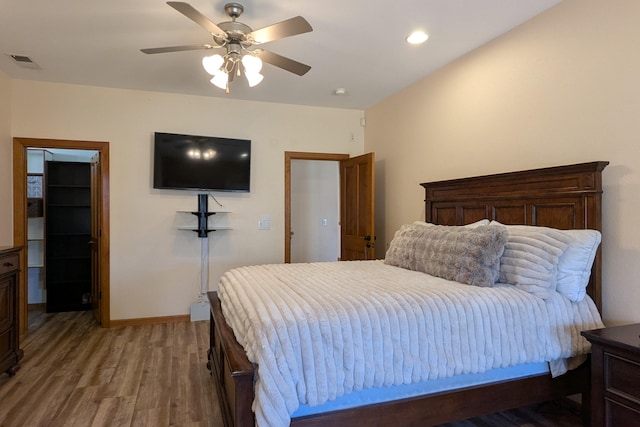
[
  {"x": 234, "y": 379},
  {"x": 455, "y": 405},
  {"x": 233, "y": 373}
]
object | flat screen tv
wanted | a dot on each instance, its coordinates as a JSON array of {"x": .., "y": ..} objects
[{"x": 206, "y": 163}]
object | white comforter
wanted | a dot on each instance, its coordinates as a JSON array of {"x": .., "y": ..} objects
[{"x": 318, "y": 331}]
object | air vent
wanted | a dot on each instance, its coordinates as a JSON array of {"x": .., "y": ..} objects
[
  {"x": 21, "y": 58},
  {"x": 24, "y": 61}
]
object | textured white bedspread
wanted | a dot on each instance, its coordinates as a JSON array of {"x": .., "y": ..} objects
[{"x": 318, "y": 331}]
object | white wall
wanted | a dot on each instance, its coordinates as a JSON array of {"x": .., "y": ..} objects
[
  {"x": 563, "y": 88},
  {"x": 6, "y": 193},
  {"x": 155, "y": 268}
]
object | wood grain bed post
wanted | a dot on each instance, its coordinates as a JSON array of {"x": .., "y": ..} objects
[{"x": 232, "y": 370}]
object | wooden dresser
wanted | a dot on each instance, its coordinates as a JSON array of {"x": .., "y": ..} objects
[
  {"x": 10, "y": 353},
  {"x": 615, "y": 376}
]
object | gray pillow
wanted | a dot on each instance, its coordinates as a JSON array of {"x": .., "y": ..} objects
[{"x": 463, "y": 254}]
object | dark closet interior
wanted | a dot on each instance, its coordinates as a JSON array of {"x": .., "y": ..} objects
[{"x": 68, "y": 233}]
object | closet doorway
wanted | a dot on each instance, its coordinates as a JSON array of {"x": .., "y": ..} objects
[{"x": 99, "y": 234}]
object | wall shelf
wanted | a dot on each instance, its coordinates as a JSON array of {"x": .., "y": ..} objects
[
  {"x": 203, "y": 227},
  {"x": 210, "y": 213},
  {"x": 208, "y": 228}
]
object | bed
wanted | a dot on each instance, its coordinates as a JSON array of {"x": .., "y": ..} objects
[{"x": 565, "y": 197}]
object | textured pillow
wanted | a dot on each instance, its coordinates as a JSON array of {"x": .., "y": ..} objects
[
  {"x": 464, "y": 254},
  {"x": 472, "y": 225},
  {"x": 574, "y": 265},
  {"x": 531, "y": 257}
]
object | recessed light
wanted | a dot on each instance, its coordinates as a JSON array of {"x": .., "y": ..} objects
[
  {"x": 417, "y": 37},
  {"x": 340, "y": 91}
]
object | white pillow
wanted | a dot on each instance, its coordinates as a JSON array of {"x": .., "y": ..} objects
[
  {"x": 531, "y": 257},
  {"x": 574, "y": 268},
  {"x": 574, "y": 265}
]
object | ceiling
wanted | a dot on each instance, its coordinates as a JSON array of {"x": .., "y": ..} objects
[{"x": 355, "y": 44}]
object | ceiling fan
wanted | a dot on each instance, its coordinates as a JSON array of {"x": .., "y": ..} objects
[{"x": 238, "y": 42}]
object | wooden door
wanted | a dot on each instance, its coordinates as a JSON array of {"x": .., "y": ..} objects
[
  {"x": 357, "y": 208},
  {"x": 96, "y": 179}
]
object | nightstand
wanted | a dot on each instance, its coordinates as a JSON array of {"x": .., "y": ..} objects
[{"x": 615, "y": 376}]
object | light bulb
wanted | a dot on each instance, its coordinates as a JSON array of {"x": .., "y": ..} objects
[
  {"x": 212, "y": 63},
  {"x": 253, "y": 78},
  {"x": 252, "y": 64},
  {"x": 417, "y": 37},
  {"x": 220, "y": 80}
]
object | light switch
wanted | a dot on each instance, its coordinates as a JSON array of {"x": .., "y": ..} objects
[{"x": 264, "y": 223}]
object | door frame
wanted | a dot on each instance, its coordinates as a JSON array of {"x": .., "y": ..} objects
[
  {"x": 288, "y": 157},
  {"x": 20, "y": 146}
]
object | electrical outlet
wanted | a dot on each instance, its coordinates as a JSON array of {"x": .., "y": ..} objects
[{"x": 352, "y": 136}]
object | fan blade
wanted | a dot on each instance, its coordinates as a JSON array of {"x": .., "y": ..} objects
[
  {"x": 177, "y": 48},
  {"x": 187, "y": 10},
  {"x": 290, "y": 27},
  {"x": 287, "y": 64}
]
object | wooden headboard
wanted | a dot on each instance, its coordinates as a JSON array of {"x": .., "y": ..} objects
[{"x": 564, "y": 197}]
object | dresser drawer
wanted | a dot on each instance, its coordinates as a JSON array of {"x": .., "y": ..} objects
[
  {"x": 619, "y": 415},
  {"x": 6, "y": 341},
  {"x": 9, "y": 263},
  {"x": 6, "y": 304},
  {"x": 622, "y": 377}
]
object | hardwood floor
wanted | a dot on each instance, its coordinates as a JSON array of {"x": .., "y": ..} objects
[{"x": 75, "y": 373}]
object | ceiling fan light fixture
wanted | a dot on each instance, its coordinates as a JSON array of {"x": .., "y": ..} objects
[
  {"x": 238, "y": 39},
  {"x": 253, "y": 78},
  {"x": 252, "y": 64},
  {"x": 220, "y": 80},
  {"x": 212, "y": 63}
]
